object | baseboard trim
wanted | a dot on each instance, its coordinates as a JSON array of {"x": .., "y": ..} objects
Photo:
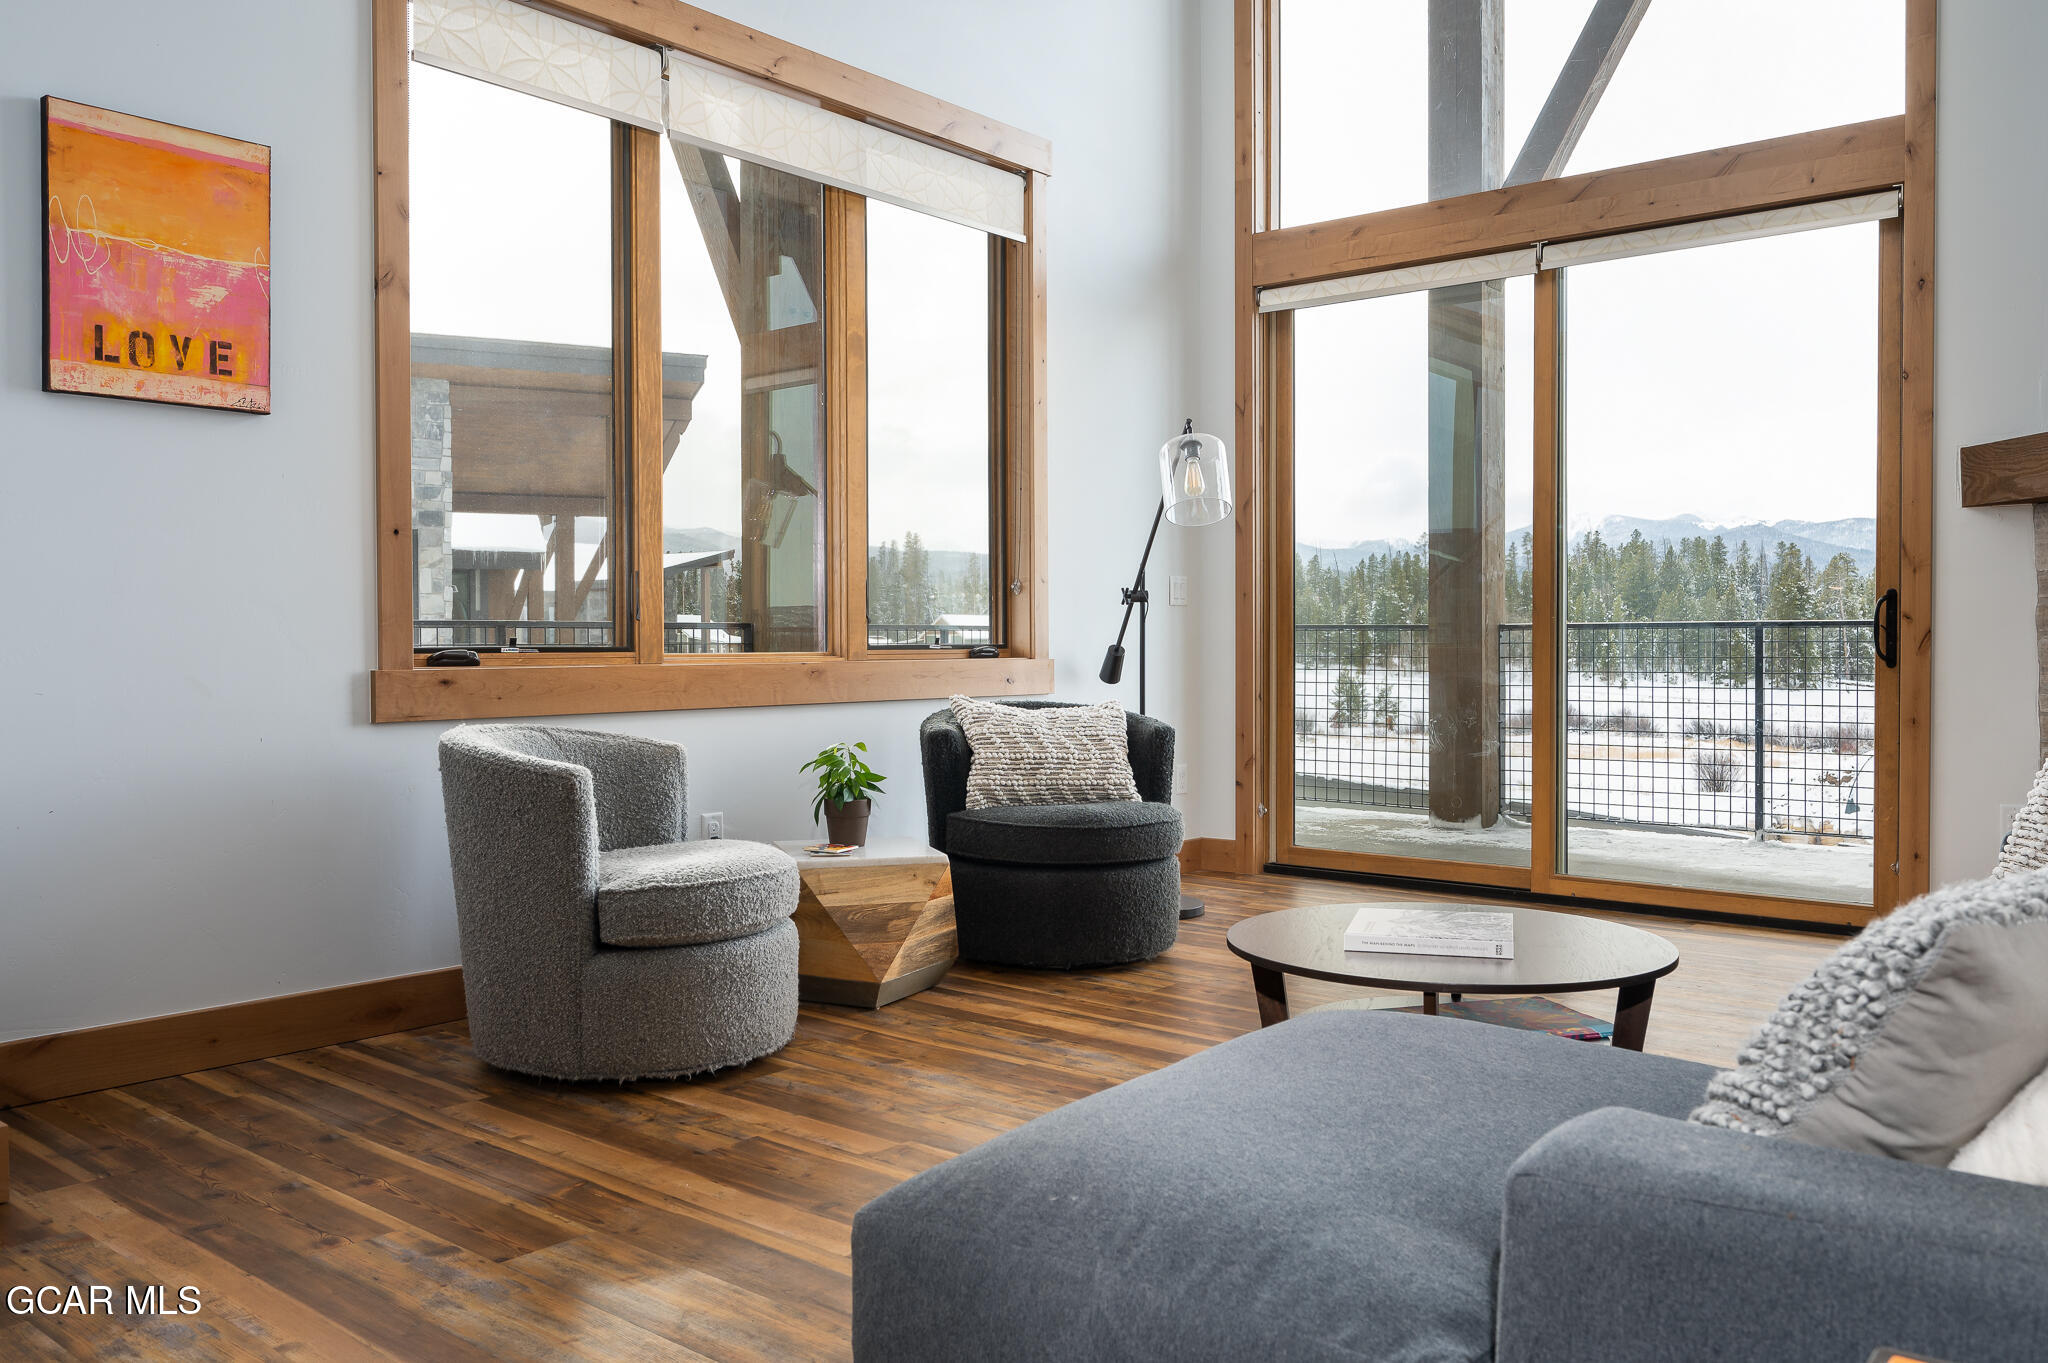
[
  {"x": 38, "y": 1068},
  {"x": 1208, "y": 854}
]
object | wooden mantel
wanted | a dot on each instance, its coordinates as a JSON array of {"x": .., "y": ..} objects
[{"x": 2006, "y": 472}]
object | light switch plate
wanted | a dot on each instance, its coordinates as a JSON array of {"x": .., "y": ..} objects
[{"x": 1176, "y": 590}]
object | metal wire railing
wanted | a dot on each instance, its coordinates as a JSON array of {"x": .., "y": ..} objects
[{"x": 1766, "y": 727}]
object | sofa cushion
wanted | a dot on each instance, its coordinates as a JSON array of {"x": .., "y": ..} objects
[
  {"x": 1066, "y": 835},
  {"x": 1909, "y": 1039},
  {"x": 1330, "y": 1188},
  {"x": 676, "y": 894}
]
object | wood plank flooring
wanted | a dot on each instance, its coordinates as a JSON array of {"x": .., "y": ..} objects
[{"x": 392, "y": 1199}]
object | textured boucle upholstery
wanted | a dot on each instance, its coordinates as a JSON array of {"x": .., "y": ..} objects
[
  {"x": 675, "y": 894},
  {"x": 2026, "y": 846},
  {"x": 1058, "y": 885},
  {"x": 1910, "y": 1038},
  {"x": 1329, "y": 1189},
  {"x": 1069, "y": 835},
  {"x": 531, "y": 813},
  {"x": 947, "y": 759}
]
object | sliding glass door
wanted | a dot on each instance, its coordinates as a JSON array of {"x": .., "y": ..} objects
[
  {"x": 1590, "y": 549},
  {"x": 1720, "y": 457}
]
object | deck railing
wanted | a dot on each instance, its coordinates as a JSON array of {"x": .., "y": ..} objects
[{"x": 1766, "y": 726}]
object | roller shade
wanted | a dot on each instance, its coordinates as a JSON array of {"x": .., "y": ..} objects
[
  {"x": 523, "y": 49},
  {"x": 1720, "y": 231},
  {"x": 1470, "y": 270},
  {"x": 719, "y": 112}
]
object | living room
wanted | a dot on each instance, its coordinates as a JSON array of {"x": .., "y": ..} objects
[{"x": 871, "y": 680}]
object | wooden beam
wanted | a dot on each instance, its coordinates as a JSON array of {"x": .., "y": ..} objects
[
  {"x": 2006, "y": 472},
  {"x": 1802, "y": 168},
  {"x": 390, "y": 149},
  {"x": 1916, "y": 459},
  {"x": 1255, "y": 67},
  {"x": 717, "y": 206},
  {"x": 64, "y": 1063},
  {"x": 712, "y": 682},
  {"x": 1576, "y": 93},
  {"x": 841, "y": 88}
]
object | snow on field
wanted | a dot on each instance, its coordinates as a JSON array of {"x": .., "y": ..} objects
[
  {"x": 1665, "y": 750},
  {"x": 1841, "y": 873}
]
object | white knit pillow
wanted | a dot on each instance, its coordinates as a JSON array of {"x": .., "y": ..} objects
[
  {"x": 2026, "y": 847},
  {"x": 2015, "y": 1144},
  {"x": 1064, "y": 755}
]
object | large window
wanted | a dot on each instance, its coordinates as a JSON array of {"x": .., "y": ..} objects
[
  {"x": 678, "y": 408},
  {"x": 932, "y": 431},
  {"x": 1600, "y": 481}
]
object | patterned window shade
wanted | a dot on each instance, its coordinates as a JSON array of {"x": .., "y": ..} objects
[
  {"x": 719, "y": 112},
  {"x": 537, "y": 54}
]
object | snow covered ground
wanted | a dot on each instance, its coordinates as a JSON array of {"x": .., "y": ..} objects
[{"x": 1840, "y": 873}]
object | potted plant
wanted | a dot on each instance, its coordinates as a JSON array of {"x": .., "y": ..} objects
[{"x": 846, "y": 784}]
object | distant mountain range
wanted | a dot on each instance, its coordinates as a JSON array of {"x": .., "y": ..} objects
[{"x": 1818, "y": 540}]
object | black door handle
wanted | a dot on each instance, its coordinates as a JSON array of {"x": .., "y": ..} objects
[{"x": 1884, "y": 627}]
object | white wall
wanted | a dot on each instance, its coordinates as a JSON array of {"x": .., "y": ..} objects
[
  {"x": 1991, "y": 381},
  {"x": 195, "y": 809}
]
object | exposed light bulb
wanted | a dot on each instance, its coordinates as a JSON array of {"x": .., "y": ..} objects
[{"x": 1191, "y": 480}]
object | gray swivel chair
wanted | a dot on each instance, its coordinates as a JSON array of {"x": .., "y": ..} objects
[
  {"x": 596, "y": 943},
  {"x": 1058, "y": 885}
]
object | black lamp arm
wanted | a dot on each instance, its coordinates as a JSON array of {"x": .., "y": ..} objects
[{"x": 1136, "y": 593}]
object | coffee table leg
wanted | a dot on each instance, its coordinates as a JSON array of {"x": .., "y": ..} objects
[
  {"x": 1271, "y": 987},
  {"x": 1632, "y": 1014},
  {"x": 1429, "y": 1005}
]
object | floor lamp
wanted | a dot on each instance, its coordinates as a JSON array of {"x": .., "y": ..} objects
[{"x": 1194, "y": 482}]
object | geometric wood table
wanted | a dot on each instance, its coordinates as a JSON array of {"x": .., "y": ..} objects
[
  {"x": 1554, "y": 953},
  {"x": 869, "y": 927}
]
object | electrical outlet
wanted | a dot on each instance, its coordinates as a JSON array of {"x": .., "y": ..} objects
[
  {"x": 714, "y": 825},
  {"x": 1177, "y": 590}
]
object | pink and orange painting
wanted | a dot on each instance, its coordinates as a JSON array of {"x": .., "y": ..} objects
[{"x": 156, "y": 277}]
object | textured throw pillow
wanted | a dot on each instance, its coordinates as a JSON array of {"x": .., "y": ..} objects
[
  {"x": 1912, "y": 1037},
  {"x": 2015, "y": 1145},
  {"x": 2026, "y": 847},
  {"x": 1069, "y": 755}
]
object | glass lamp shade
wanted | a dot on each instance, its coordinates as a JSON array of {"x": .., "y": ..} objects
[{"x": 1194, "y": 478}]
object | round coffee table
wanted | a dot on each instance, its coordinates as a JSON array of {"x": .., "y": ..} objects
[{"x": 1554, "y": 953}]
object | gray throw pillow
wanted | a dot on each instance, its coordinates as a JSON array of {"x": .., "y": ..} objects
[
  {"x": 1065, "y": 755},
  {"x": 1912, "y": 1037}
]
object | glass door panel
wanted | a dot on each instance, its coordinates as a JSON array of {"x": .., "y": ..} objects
[
  {"x": 1720, "y": 484},
  {"x": 1411, "y": 496}
]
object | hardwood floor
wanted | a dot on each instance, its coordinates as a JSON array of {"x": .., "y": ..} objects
[{"x": 394, "y": 1199}]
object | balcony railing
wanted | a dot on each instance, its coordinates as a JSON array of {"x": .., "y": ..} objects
[
  {"x": 679, "y": 636},
  {"x": 926, "y": 636},
  {"x": 1765, "y": 727}
]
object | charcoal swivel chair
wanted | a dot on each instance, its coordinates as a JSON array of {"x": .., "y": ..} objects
[
  {"x": 1058, "y": 885},
  {"x": 596, "y": 943}
]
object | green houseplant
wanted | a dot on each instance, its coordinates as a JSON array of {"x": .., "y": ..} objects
[{"x": 846, "y": 785}]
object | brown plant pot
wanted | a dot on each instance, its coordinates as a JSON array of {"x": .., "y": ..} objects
[{"x": 848, "y": 823}]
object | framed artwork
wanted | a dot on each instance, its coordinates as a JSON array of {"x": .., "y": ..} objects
[{"x": 156, "y": 264}]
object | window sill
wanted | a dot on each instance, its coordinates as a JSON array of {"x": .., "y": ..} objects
[{"x": 693, "y": 683}]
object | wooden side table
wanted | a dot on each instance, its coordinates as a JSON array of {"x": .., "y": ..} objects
[{"x": 871, "y": 926}]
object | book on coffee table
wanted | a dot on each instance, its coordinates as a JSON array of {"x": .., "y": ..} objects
[{"x": 1418, "y": 930}]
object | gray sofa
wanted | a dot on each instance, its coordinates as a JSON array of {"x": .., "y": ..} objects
[
  {"x": 1058, "y": 885},
  {"x": 1395, "y": 1188},
  {"x": 596, "y": 942}
]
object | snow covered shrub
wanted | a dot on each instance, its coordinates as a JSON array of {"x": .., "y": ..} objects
[{"x": 1715, "y": 771}]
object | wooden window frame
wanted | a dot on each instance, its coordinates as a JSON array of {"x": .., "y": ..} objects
[
  {"x": 1798, "y": 168},
  {"x": 645, "y": 677}
]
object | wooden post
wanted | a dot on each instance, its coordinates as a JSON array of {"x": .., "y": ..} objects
[{"x": 1467, "y": 446}]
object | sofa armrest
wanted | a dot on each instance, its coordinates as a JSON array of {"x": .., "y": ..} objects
[
  {"x": 942, "y": 747},
  {"x": 1628, "y": 1236},
  {"x": 1151, "y": 746}
]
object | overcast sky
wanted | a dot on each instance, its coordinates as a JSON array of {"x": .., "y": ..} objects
[{"x": 1735, "y": 382}]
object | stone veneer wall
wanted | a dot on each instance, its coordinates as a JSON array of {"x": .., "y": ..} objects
[{"x": 433, "y": 494}]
